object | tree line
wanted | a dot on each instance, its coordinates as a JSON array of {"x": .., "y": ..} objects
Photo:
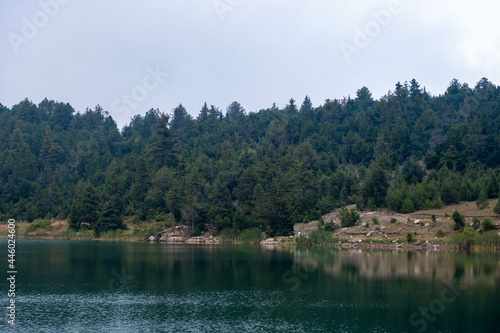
[{"x": 234, "y": 169}]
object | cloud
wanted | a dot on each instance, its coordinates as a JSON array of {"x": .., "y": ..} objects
[{"x": 261, "y": 52}]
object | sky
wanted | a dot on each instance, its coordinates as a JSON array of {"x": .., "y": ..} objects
[{"x": 131, "y": 56}]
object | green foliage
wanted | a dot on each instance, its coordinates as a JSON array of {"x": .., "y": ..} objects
[
  {"x": 409, "y": 237},
  {"x": 110, "y": 219},
  {"x": 497, "y": 207},
  {"x": 84, "y": 208},
  {"x": 459, "y": 219},
  {"x": 440, "y": 233},
  {"x": 348, "y": 218},
  {"x": 227, "y": 235},
  {"x": 331, "y": 226},
  {"x": 41, "y": 224},
  {"x": 464, "y": 240},
  {"x": 250, "y": 236},
  {"x": 393, "y": 220},
  {"x": 487, "y": 224},
  {"x": 316, "y": 237},
  {"x": 375, "y": 220},
  {"x": 482, "y": 201},
  {"x": 433, "y": 218},
  {"x": 476, "y": 223},
  {"x": 239, "y": 170}
]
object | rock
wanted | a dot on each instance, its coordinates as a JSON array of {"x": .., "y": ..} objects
[
  {"x": 385, "y": 236},
  {"x": 175, "y": 239},
  {"x": 152, "y": 238},
  {"x": 394, "y": 241},
  {"x": 427, "y": 224},
  {"x": 175, "y": 234},
  {"x": 383, "y": 227},
  {"x": 370, "y": 233},
  {"x": 417, "y": 221},
  {"x": 269, "y": 240},
  {"x": 196, "y": 240}
]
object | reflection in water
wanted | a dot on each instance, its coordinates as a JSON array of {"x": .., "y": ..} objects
[
  {"x": 130, "y": 287},
  {"x": 475, "y": 268}
]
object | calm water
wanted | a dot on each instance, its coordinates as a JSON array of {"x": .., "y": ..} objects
[{"x": 65, "y": 286}]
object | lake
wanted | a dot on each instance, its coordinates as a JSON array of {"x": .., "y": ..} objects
[{"x": 75, "y": 286}]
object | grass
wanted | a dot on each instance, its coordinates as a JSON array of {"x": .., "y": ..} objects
[
  {"x": 80, "y": 235},
  {"x": 377, "y": 241},
  {"x": 41, "y": 224},
  {"x": 250, "y": 236},
  {"x": 317, "y": 238},
  {"x": 469, "y": 239}
]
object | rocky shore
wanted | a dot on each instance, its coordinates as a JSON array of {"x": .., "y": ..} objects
[{"x": 180, "y": 234}]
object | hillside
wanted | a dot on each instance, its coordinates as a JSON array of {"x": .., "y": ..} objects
[{"x": 408, "y": 151}]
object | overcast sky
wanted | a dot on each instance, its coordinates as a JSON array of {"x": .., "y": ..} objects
[{"x": 130, "y": 56}]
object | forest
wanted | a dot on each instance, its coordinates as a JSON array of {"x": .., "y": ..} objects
[{"x": 233, "y": 169}]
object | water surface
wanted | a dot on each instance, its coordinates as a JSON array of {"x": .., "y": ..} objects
[{"x": 69, "y": 286}]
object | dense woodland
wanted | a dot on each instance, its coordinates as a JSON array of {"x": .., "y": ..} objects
[{"x": 234, "y": 169}]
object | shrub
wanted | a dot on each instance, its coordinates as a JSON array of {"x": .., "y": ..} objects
[
  {"x": 317, "y": 237},
  {"x": 393, "y": 220},
  {"x": 227, "y": 234},
  {"x": 42, "y": 224},
  {"x": 476, "y": 223},
  {"x": 497, "y": 207},
  {"x": 375, "y": 220},
  {"x": 409, "y": 237},
  {"x": 487, "y": 224},
  {"x": 482, "y": 201},
  {"x": 331, "y": 226},
  {"x": 440, "y": 233},
  {"x": 348, "y": 218},
  {"x": 252, "y": 235},
  {"x": 459, "y": 219},
  {"x": 464, "y": 240},
  {"x": 433, "y": 218}
]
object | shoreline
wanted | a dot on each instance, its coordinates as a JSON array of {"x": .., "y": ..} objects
[{"x": 285, "y": 241}]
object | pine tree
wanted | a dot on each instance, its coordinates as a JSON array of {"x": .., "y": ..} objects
[
  {"x": 85, "y": 208},
  {"x": 482, "y": 201},
  {"x": 161, "y": 149},
  {"x": 110, "y": 219},
  {"x": 497, "y": 207},
  {"x": 492, "y": 188}
]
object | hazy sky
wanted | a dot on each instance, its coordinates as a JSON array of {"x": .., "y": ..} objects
[{"x": 130, "y": 56}]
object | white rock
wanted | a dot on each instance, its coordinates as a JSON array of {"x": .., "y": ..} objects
[{"x": 427, "y": 224}]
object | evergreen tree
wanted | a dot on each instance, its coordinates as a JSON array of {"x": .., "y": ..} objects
[
  {"x": 497, "y": 207},
  {"x": 459, "y": 219},
  {"x": 161, "y": 149},
  {"x": 110, "y": 219},
  {"x": 84, "y": 210},
  {"x": 482, "y": 201}
]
